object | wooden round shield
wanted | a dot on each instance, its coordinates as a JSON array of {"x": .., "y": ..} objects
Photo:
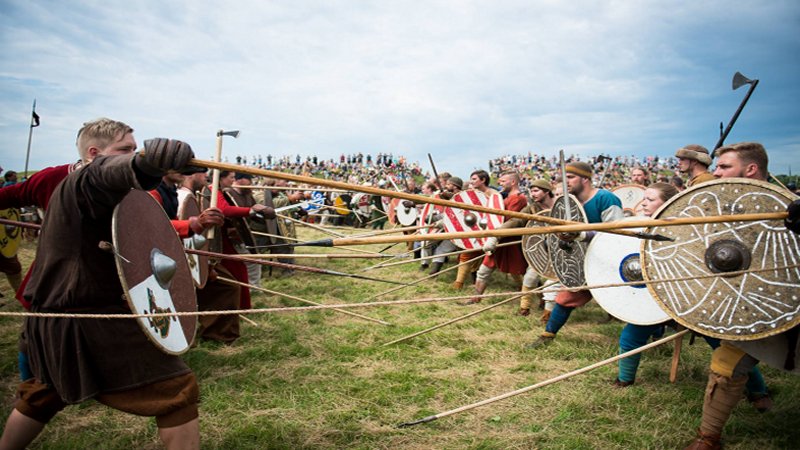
[
  {"x": 241, "y": 226},
  {"x": 773, "y": 351},
  {"x": 613, "y": 258},
  {"x": 406, "y": 216},
  {"x": 567, "y": 257},
  {"x": 534, "y": 248},
  {"x": 361, "y": 203},
  {"x": 10, "y": 235},
  {"x": 341, "y": 204},
  {"x": 735, "y": 307},
  {"x": 631, "y": 196},
  {"x": 430, "y": 213},
  {"x": 187, "y": 207},
  {"x": 458, "y": 220},
  {"x": 153, "y": 271},
  {"x": 314, "y": 204}
]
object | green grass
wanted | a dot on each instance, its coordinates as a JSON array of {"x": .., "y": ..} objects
[{"x": 320, "y": 379}]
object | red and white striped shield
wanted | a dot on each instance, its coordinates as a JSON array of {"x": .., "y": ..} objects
[
  {"x": 458, "y": 220},
  {"x": 426, "y": 216}
]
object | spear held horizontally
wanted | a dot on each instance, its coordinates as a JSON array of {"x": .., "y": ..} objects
[
  {"x": 576, "y": 228},
  {"x": 394, "y": 194}
]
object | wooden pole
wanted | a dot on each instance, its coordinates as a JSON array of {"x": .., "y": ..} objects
[
  {"x": 547, "y": 382},
  {"x": 302, "y": 300}
]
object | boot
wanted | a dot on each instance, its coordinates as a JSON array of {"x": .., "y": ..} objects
[
  {"x": 526, "y": 300},
  {"x": 545, "y": 316},
  {"x": 705, "y": 442},
  {"x": 543, "y": 340},
  {"x": 435, "y": 268},
  {"x": 480, "y": 286}
]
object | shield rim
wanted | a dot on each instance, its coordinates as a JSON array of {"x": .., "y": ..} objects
[
  {"x": 583, "y": 244},
  {"x": 550, "y": 274},
  {"x": 183, "y": 266},
  {"x": 13, "y": 243},
  {"x": 650, "y": 280},
  {"x": 203, "y": 260}
]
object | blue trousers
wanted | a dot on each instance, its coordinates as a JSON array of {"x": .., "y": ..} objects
[{"x": 558, "y": 317}]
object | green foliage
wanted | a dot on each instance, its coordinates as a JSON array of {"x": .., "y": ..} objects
[{"x": 321, "y": 379}]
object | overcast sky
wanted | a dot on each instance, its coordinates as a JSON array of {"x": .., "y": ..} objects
[{"x": 464, "y": 81}]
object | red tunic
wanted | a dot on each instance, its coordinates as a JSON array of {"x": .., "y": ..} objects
[
  {"x": 236, "y": 268},
  {"x": 35, "y": 191},
  {"x": 509, "y": 259}
]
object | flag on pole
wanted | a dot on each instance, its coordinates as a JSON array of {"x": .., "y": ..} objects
[{"x": 34, "y": 116}]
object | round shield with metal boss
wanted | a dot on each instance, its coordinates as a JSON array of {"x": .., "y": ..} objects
[
  {"x": 405, "y": 215},
  {"x": 10, "y": 235},
  {"x": 457, "y": 220},
  {"x": 534, "y": 248},
  {"x": 429, "y": 215},
  {"x": 712, "y": 296},
  {"x": 631, "y": 196},
  {"x": 198, "y": 265},
  {"x": 241, "y": 226},
  {"x": 153, "y": 271},
  {"x": 317, "y": 199},
  {"x": 567, "y": 256},
  {"x": 612, "y": 259},
  {"x": 341, "y": 204}
]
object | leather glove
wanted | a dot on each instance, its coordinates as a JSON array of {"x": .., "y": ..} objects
[
  {"x": 212, "y": 217},
  {"x": 408, "y": 204},
  {"x": 161, "y": 155},
  {"x": 490, "y": 245},
  {"x": 793, "y": 221},
  {"x": 262, "y": 212}
]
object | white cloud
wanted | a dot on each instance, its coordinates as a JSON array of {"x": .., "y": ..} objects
[{"x": 462, "y": 80}]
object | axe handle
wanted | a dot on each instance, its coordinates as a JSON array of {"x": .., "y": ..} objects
[
  {"x": 215, "y": 182},
  {"x": 676, "y": 359}
]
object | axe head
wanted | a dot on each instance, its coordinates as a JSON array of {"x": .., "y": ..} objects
[
  {"x": 740, "y": 80},
  {"x": 234, "y": 133}
]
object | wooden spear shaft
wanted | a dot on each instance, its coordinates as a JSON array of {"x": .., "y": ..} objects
[
  {"x": 527, "y": 231},
  {"x": 383, "y": 192},
  {"x": 299, "y": 299},
  {"x": 452, "y": 321},
  {"x": 547, "y": 382}
]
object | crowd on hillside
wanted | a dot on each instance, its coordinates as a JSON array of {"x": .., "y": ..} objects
[{"x": 362, "y": 168}]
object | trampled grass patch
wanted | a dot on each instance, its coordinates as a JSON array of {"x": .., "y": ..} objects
[{"x": 322, "y": 379}]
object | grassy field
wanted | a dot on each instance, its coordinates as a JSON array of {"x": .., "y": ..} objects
[{"x": 320, "y": 379}]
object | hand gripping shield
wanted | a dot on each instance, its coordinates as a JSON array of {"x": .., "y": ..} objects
[
  {"x": 153, "y": 271},
  {"x": 743, "y": 307}
]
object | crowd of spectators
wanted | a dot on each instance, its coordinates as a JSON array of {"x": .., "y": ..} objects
[{"x": 612, "y": 171}]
